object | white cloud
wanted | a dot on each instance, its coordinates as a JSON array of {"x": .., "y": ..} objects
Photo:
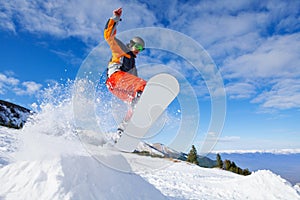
[
  {"x": 10, "y": 84},
  {"x": 240, "y": 90},
  {"x": 273, "y": 69},
  {"x": 6, "y": 16},
  {"x": 229, "y": 139},
  {"x": 251, "y": 41},
  {"x": 278, "y": 56},
  {"x": 284, "y": 94},
  {"x": 31, "y": 87},
  {"x": 82, "y": 19},
  {"x": 7, "y": 82}
]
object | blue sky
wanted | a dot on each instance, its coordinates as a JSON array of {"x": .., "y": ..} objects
[{"x": 254, "y": 44}]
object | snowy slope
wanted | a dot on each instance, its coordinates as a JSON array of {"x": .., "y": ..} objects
[
  {"x": 56, "y": 167},
  {"x": 13, "y": 115},
  {"x": 183, "y": 181},
  {"x": 8, "y": 144},
  {"x": 282, "y": 163},
  {"x": 162, "y": 150},
  {"x": 47, "y": 160},
  {"x": 71, "y": 177},
  {"x": 67, "y": 171}
]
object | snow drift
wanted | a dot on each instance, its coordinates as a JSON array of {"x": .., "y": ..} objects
[
  {"x": 47, "y": 160},
  {"x": 71, "y": 177}
]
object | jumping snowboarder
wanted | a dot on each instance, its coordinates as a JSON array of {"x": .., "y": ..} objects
[{"x": 122, "y": 78}]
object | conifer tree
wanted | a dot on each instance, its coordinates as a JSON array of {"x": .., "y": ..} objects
[
  {"x": 233, "y": 167},
  {"x": 246, "y": 172},
  {"x": 192, "y": 156},
  {"x": 227, "y": 164},
  {"x": 219, "y": 161}
]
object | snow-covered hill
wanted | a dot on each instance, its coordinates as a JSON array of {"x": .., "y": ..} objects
[
  {"x": 71, "y": 177},
  {"x": 282, "y": 163},
  {"x": 161, "y": 150},
  {"x": 12, "y": 115},
  {"x": 47, "y": 160},
  {"x": 61, "y": 168}
]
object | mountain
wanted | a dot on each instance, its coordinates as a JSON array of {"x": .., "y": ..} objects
[
  {"x": 60, "y": 168},
  {"x": 284, "y": 163},
  {"x": 12, "y": 115},
  {"x": 161, "y": 150},
  {"x": 48, "y": 160},
  {"x": 71, "y": 177},
  {"x": 41, "y": 164}
]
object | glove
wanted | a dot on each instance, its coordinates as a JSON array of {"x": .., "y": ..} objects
[{"x": 118, "y": 12}]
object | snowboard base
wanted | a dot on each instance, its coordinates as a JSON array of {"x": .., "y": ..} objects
[{"x": 159, "y": 92}]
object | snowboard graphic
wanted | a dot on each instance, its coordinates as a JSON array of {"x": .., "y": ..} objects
[{"x": 159, "y": 92}]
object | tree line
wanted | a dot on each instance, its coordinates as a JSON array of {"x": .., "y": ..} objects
[
  {"x": 231, "y": 166},
  {"x": 225, "y": 165}
]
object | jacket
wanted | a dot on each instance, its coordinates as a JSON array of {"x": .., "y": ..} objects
[{"x": 122, "y": 58}]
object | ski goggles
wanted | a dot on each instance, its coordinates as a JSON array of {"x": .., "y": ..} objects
[{"x": 138, "y": 47}]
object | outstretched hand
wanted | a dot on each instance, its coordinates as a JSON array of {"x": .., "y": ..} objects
[{"x": 118, "y": 12}]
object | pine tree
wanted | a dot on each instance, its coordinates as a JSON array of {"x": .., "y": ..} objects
[
  {"x": 192, "y": 156},
  {"x": 246, "y": 172},
  {"x": 219, "y": 161},
  {"x": 233, "y": 167},
  {"x": 227, "y": 164}
]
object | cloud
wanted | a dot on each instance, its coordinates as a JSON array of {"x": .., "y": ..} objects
[
  {"x": 6, "y": 16},
  {"x": 284, "y": 94},
  {"x": 10, "y": 84},
  {"x": 252, "y": 42},
  {"x": 7, "y": 82},
  {"x": 212, "y": 136},
  {"x": 240, "y": 90},
  {"x": 54, "y": 18},
  {"x": 229, "y": 139},
  {"x": 278, "y": 56},
  {"x": 28, "y": 88},
  {"x": 81, "y": 19},
  {"x": 271, "y": 71}
]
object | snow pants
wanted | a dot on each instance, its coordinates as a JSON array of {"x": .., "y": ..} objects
[{"x": 125, "y": 86}]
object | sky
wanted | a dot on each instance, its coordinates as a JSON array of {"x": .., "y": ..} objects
[{"x": 255, "y": 45}]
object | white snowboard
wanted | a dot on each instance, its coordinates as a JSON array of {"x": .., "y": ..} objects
[{"x": 159, "y": 92}]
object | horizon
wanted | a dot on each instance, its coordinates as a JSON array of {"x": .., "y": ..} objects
[
  {"x": 254, "y": 45},
  {"x": 271, "y": 151}
]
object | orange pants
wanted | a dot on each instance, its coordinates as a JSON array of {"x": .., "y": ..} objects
[{"x": 125, "y": 86}]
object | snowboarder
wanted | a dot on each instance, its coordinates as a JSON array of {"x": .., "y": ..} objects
[{"x": 122, "y": 78}]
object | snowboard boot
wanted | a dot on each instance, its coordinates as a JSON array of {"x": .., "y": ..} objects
[
  {"x": 129, "y": 113},
  {"x": 136, "y": 99},
  {"x": 116, "y": 136}
]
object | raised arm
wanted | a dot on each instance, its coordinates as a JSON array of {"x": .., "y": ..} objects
[
  {"x": 118, "y": 49},
  {"x": 110, "y": 28}
]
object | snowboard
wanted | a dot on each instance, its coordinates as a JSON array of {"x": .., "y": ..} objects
[{"x": 159, "y": 92}]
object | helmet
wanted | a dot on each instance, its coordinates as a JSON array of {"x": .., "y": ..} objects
[{"x": 136, "y": 40}]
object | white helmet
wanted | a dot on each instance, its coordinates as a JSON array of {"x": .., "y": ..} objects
[{"x": 136, "y": 41}]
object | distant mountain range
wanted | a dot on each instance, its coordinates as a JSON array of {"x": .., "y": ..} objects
[
  {"x": 161, "y": 150},
  {"x": 273, "y": 151},
  {"x": 284, "y": 164},
  {"x": 12, "y": 115}
]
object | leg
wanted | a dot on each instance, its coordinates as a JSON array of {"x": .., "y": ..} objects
[
  {"x": 125, "y": 86},
  {"x": 128, "y": 88},
  {"x": 130, "y": 110}
]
